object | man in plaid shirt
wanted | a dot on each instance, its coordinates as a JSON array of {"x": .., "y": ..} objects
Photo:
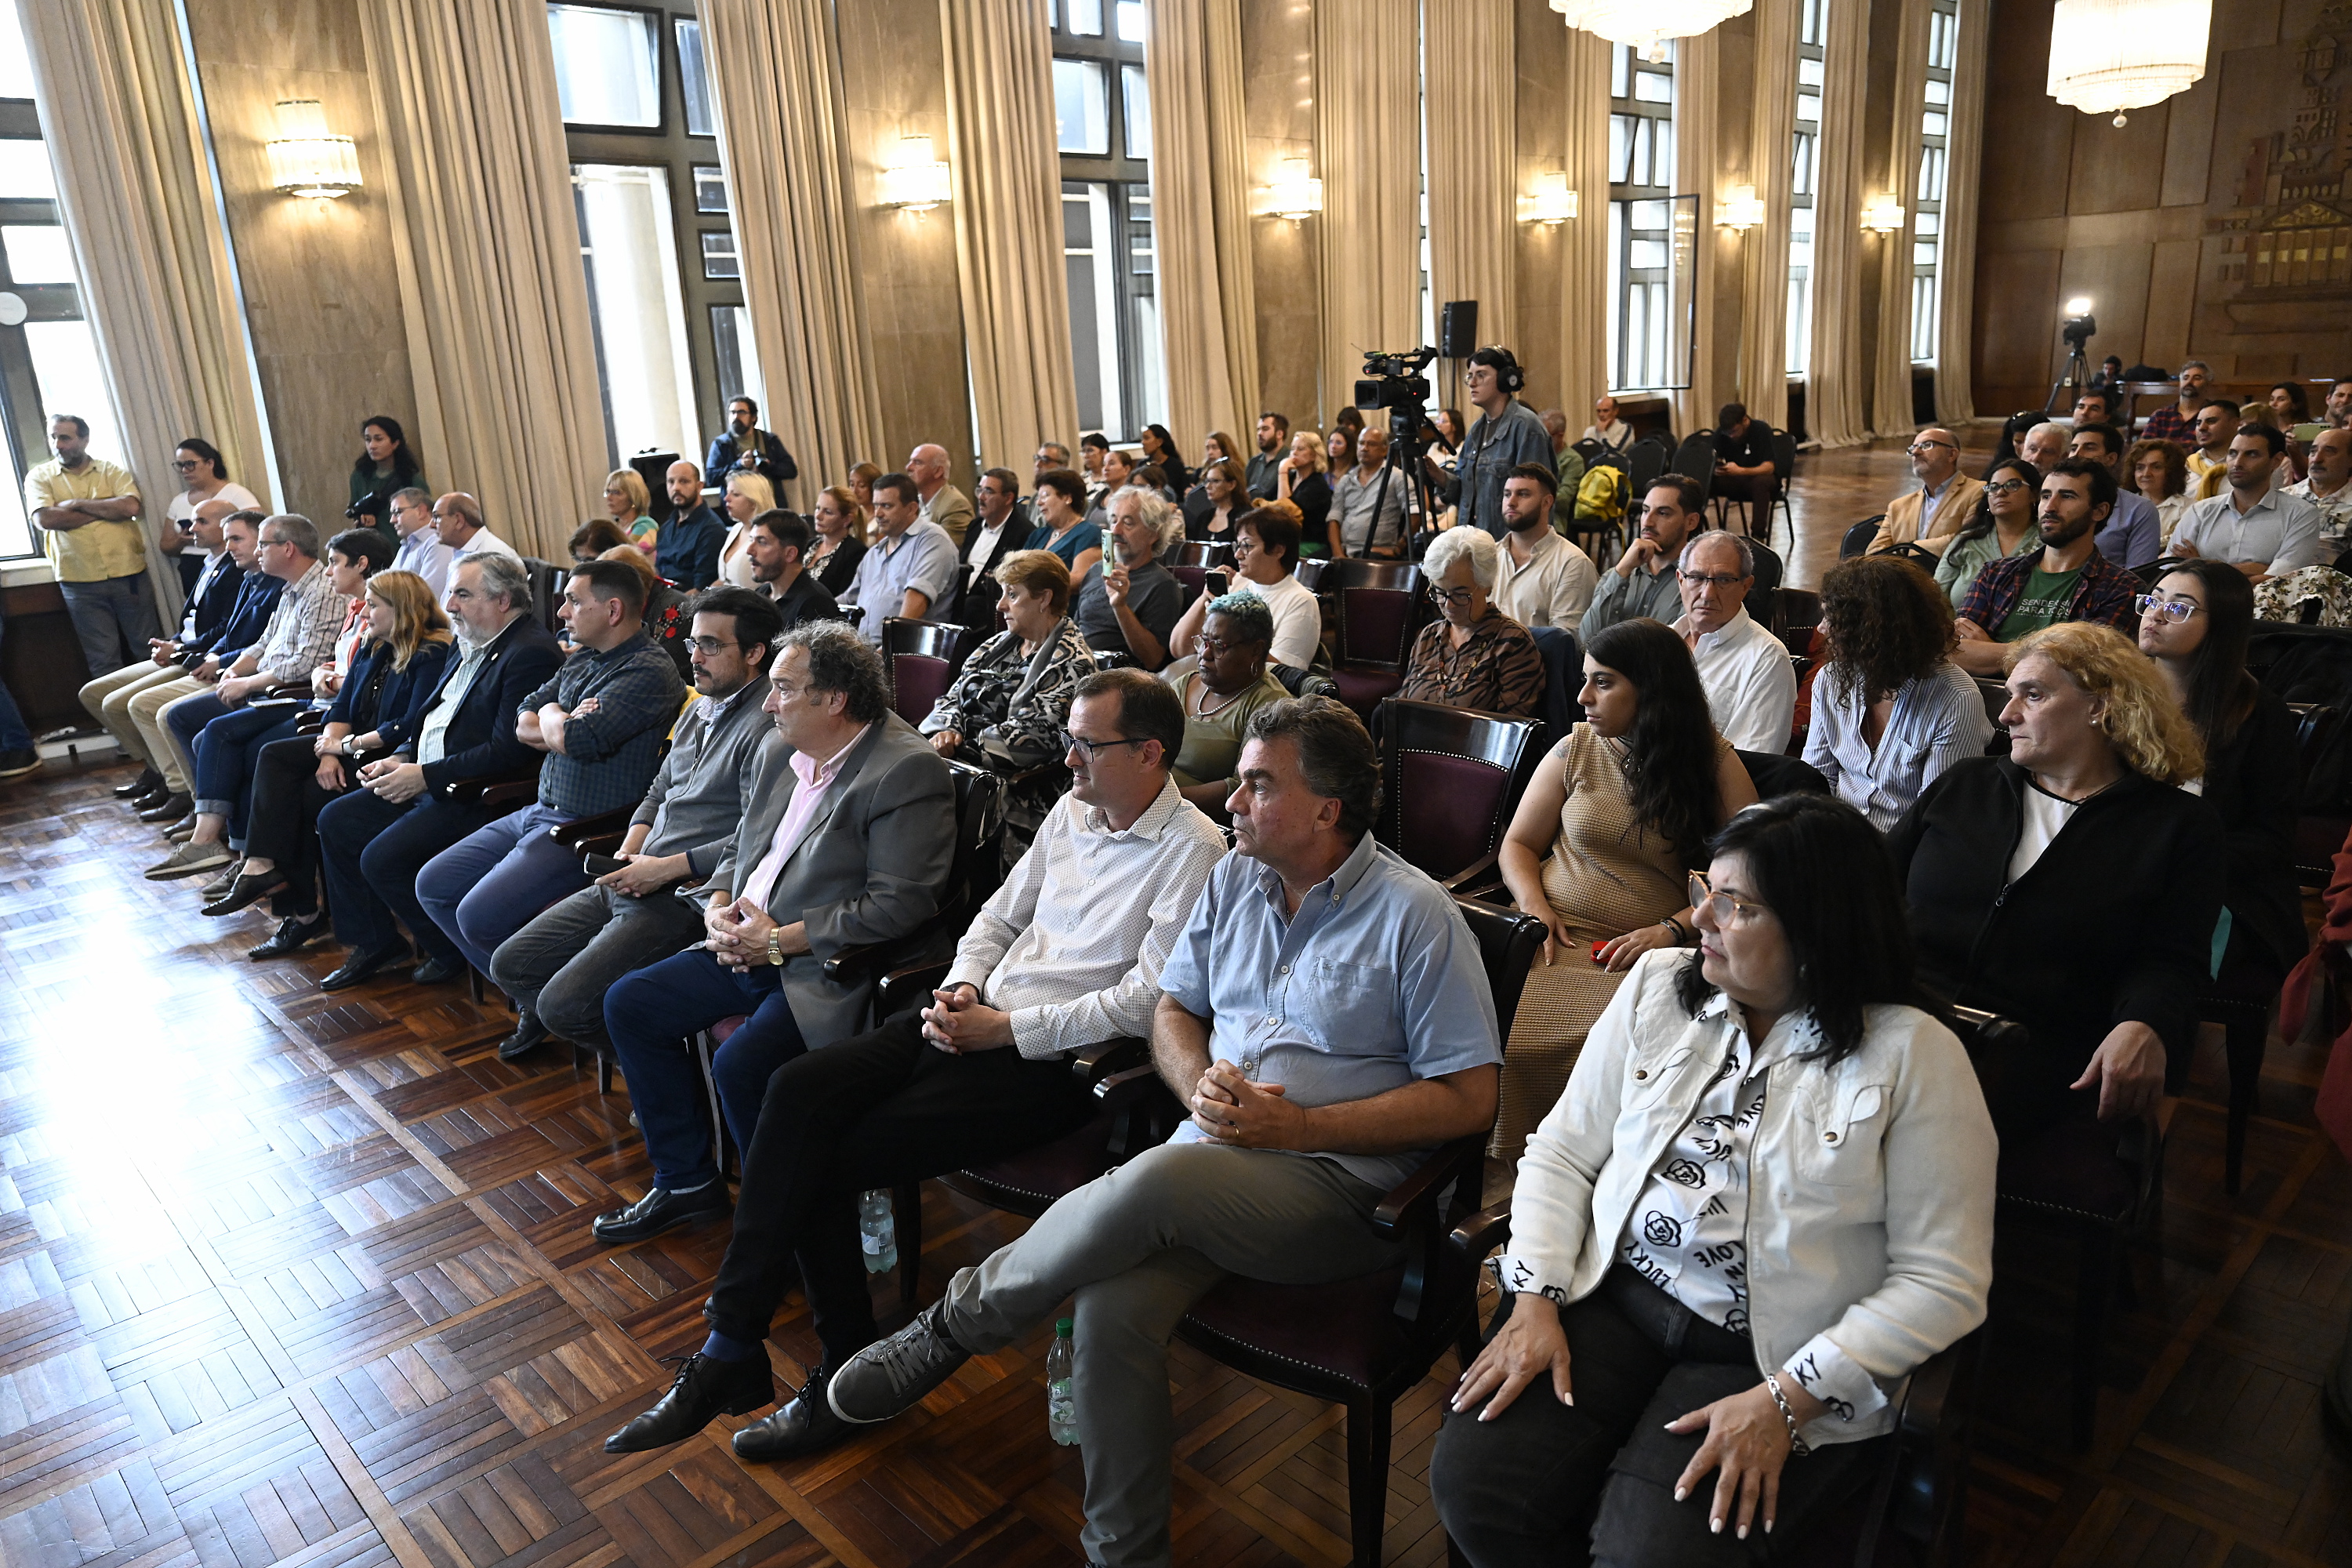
[
  {"x": 2178, "y": 425},
  {"x": 2068, "y": 581},
  {"x": 601, "y": 721}
]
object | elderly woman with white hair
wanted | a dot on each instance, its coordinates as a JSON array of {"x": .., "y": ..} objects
[
  {"x": 1476, "y": 657},
  {"x": 1128, "y": 603}
]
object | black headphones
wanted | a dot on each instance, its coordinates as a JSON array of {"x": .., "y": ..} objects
[{"x": 1508, "y": 375}]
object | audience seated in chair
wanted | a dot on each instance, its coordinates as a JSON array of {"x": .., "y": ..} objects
[
  {"x": 1473, "y": 656},
  {"x": 1743, "y": 458},
  {"x": 779, "y": 543},
  {"x": 912, "y": 568},
  {"x": 1610, "y": 432},
  {"x": 999, "y": 529},
  {"x": 595, "y": 537},
  {"x": 374, "y": 840},
  {"x": 459, "y": 522},
  {"x": 2158, "y": 472},
  {"x": 1126, "y": 601},
  {"x": 2263, "y": 531},
  {"x": 745, "y": 496},
  {"x": 1316, "y": 961},
  {"x": 1219, "y": 685},
  {"x": 2327, "y": 486},
  {"x": 1891, "y": 710},
  {"x": 2176, "y": 421},
  {"x": 943, "y": 504},
  {"x": 1063, "y": 525},
  {"x": 2003, "y": 525},
  {"x": 847, "y": 837},
  {"x": 601, "y": 720},
  {"x": 2218, "y": 423},
  {"x": 840, "y": 523},
  {"x": 1643, "y": 583},
  {"x": 1751, "y": 689},
  {"x": 1942, "y": 505},
  {"x": 2134, "y": 535},
  {"x": 1367, "y": 519},
  {"x": 420, "y": 549},
  {"x": 1212, "y": 504},
  {"x": 2067, "y": 580},
  {"x": 1007, "y": 707},
  {"x": 396, "y": 676},
  {"x": 1266, "y": 561},
  {"x": 1069, "y": 953},
  {"x": 667, "y": 621},
  {"x": 558, "y": 967},
  {"x": 1764, "y": 1213},
  {"x": 629, "y": 506},
  {"x": 1602, "y": 848},
  {"x": 1542, "y": 579},
  {"x": 2070, "y": 886}
]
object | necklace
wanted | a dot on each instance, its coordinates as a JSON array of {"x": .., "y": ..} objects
[{"x": 1201, "y": 709}]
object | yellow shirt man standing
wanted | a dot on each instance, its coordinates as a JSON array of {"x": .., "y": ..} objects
[{"x": 88, "y": 510}]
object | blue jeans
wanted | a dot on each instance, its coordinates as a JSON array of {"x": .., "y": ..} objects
[
  {"x": 371, "y": 851},
  {"x": 113, "y": 619},
  {"x": 226, "y": 749},
  {"x": 14, "y": 735},
  {"x": 648, "y": 1011},
  {"x": 490, "y": 884}
]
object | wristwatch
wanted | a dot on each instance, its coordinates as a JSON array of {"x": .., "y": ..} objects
[{"x": 776, "y": 947}]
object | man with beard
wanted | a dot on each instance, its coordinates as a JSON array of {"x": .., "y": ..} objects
[
  {"x": 1128, "y": 602},
  {"x": 1264, "y": 478},
  {"x": 744, "y": 449},
  {"x": 2068, "y": 581},
  {"x": 1643, "y": 585}
]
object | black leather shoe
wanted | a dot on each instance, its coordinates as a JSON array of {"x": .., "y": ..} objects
[
  {"x": 171, "y": 808},
  {"x": 244, "y": 891},
  {"x": 434, "y": 971},
  {"x": 659, "y": 1210},
  {"x": 704, "y": 1389},
  {"x": 148, "y": 780},
  {"x": 807, "y": 1425},
  {"x": 363, "y": 966},
  {"x": 529, "y": 1034},
  {"x": 294, "y": 933}
]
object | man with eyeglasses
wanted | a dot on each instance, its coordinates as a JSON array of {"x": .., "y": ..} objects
[
  {"x": 212, "y": 601},
  {"x": 421, "y": 550},
  {"x": 2261, "y": 531},
  {"x": 1506, "y": 434},
  {"x": 2067, "y": 580},
  {"x": 1065, "y": 956},
  {"x": 2177, "y": 422},
  {"x": 1642, "y": 585},
  {"x": 2132, "y": 537},
  {"x": 1751, "y": 691},
  {"x": 557, "y": 968},
  {"x": 1943, "y": 503},
  {"x": 1128, "y": 602}
]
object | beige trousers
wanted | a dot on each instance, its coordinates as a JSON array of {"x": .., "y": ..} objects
[
  {"x": 109, "y": 700},
  {"x": 147, "y": 707}
]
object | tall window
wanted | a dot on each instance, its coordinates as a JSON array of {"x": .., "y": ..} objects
[
  {"x": 665, "y": 290},
  {"x": 1641, "y": 218},
  {"x": 48, "y": 359},
  {"x": 1928, "y": 231},
  {"x": 1812, "y": 23},
  {"x": 1102, "y": 117}
]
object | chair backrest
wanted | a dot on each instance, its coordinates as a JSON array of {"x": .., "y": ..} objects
[
  {"x": 977, "y": 867},
  {"x": 1452, "y": 778},
  {"x": 1589, "y": 449},
  {"x": 923, "y": 658},
  {"x": 1777, "y": 775},
  {"x": 1784, "y": 455},
  {"x": 1379, "y": 603},
  {"x": 1563, "y": 677},
  {"x": 1795, "y": 607},
  {"x": 1857, "y": 538},
  {"x": 1507, "y": 944},
  {"x": 1694, "y": 458},
  {"x": 1992, "y": 1042},
  {"x": 1768, "y": 577},
  {"x": 1197, "y": 552},
  {"x": 1644, "y": 461},
  {"x": 547, "y": 582},
  {"x": 1309, "y": 572},
  {"x": 1193, "y": 580}
]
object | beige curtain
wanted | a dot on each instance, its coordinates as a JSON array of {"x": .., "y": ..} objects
[
  {"x": 488, "y": 255},
  {"x": 1201, "y": 216},
  {"x": 1835, "y": 379},
  {"x": 1470, "y": 64},
  {"x": 120, "y": 121},
  {"x": 1008, "y": 226},
  {"x": 1367, "y": 140},
  {"x": 1585, "y": 371},
  {"x": 1956, "y": 258},
  {"x": 775, "y": 70},
  {"x": 1890, "y": 401},
  {"x": 1694, "y": 153},
  {"x": 1763, "y": 371}
]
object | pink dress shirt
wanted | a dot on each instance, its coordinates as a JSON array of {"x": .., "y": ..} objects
[{"x": 816, "y": 778}]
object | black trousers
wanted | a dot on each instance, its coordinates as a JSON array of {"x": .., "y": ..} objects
[
  {"x": 371, "y": 851},
  {"x": 283, "y": 821},
  {"x": 873, "y": 1110},
  {"x": 1595, "y": 1482}
]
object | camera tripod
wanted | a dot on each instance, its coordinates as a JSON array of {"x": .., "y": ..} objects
[{"x": 2071, "y": 380}]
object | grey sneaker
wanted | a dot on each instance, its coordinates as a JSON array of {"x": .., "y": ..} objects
[{"x": 891, "y": 1376}]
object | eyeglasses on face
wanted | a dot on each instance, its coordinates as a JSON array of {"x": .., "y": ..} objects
[
  {"x": 1091, "y": 749},
  {"x": 1727, "y": 911},
  {"x": 2003, "y": 487},
  {"x": 1208, "y": 646},
  {"x": 2173, "y": 610},
  {"x": 1920, "y": 449},
  {"x": 185, "y": 464},
  {"x": 1438, "y": 595},
  {"x": 711, "y": 648},
  {"x": 1717, "y": 580}
]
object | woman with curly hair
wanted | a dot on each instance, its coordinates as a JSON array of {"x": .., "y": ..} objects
[
  {"x": 1602, "y": 848},
  {"x": 2158, "y": 471},
  {"x": 2072, "y": 885},
  {"x": 1891, "y": 712}
]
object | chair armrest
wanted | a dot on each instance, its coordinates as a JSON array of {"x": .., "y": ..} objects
[
  {"x": 1478, "y": 873},
  {"x": 284, "y": 689},
  {"x": 1419, "y": 1190},
  {"x": 1929, "y": 1392},
  {"x": 575, "y": 834},
  {"x": 1106, "y": 1060},
  {"x": 899, "y": 989},
  {"x": 1483, "y": 1231},
  {"x": 516, "y": 792},
  {"x": 310, "y": 723},
  {"x": 467, "y": 791},
  {"x": 858, "y": 962}
]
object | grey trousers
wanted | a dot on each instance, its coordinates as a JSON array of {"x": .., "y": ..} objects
[
  {"x": 1139, "y": 1247},
  {"x": 560, "y": 964}
]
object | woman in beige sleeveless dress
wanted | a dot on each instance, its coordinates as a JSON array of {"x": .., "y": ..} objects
[{"x": 1606, "y": 876}]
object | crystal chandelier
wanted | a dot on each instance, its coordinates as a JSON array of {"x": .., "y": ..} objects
[
  {"x": 2112, "y": 55},
  {"x": 1646, "y": 25}
]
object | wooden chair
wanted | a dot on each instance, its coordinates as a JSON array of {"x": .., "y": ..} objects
[
  {"x": 1453, "y": 776},
  {"x": 1379, "y": 605},
  {"x": 1198, "y": 553},
  {"x": 923, "y": 658}
]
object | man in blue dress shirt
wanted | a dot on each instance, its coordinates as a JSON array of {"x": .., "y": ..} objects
[{"x": 686, "y": 550}]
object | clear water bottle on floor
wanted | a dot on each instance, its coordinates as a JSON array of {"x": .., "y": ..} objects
[
  {"x": 877, "y": 1230},
  {"x": 1061, "y": 1400}
]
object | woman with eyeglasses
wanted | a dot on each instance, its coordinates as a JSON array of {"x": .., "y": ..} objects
[
  {"x": 2195, "y": 625},
  {"x": 2071, "y": 885},
  {"x": 203, "y": 476},
  {"x": 1764, "y": 1200},
  {"x": 1006, "y": 710},
  {"x": 1601, "y": 846},
  {"x": 2004, "y": 525},
  {"x": 1210, "y": 505},
  {"x": 1266, "y": 557},
  {"x": 1891, "y": 710},
  {"x": 1473, "y": 656},
  {"x": 2158, "y": 472},
  {"x": 1221, "y": 683}
]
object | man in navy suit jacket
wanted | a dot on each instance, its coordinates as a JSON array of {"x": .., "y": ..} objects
[{"x": 374, "y": 840}]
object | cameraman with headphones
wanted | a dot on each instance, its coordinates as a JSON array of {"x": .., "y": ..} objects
[{"x": 1506, "y": 434}]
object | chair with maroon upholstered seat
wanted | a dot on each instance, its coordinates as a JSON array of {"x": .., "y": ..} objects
[
  {"x": 1378, "y": 607},
  {"x": 923, "y": 658},
  {"x": 1452, "y": 778}
]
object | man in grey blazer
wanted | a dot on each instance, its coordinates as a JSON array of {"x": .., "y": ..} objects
[{"x": 848, "y": 840}]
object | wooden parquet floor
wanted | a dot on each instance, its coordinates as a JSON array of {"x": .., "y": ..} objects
[{"x": 292, "y": 1278}]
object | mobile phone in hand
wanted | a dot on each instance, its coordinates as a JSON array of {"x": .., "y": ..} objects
[{"x": 601, "y": 865}]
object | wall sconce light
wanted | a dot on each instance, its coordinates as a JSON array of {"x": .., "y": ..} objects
[
  {"x": 1883, "y": 215},
  {"x": 915, "y": 179},
  {"x": 1296, "y": 194},
  {"x": 304, "y": 160},
  {"x": 1740, "y": 210},
  {"x": 1550, "y": 202}
]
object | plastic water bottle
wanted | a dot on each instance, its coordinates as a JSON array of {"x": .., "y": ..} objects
[
  {"x": 1061, "y": 1398},
  {"x": 877, "y": 1230}
]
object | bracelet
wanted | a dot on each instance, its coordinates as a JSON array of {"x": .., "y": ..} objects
[
  {"x": 1676, "y": 926},
  {"x": 1797, "y": 1445}
]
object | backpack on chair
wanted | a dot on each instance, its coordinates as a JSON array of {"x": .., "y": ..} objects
[{"x": 1600, "y": 495}]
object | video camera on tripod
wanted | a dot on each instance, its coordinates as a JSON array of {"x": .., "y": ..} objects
[{"x": 1395, "y": 382}]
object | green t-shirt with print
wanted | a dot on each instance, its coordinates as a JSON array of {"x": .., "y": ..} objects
[{"x": 2047, "y": 597}]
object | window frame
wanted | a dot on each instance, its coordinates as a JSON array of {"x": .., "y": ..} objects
[
  {"x": 1642, "y": 132},
  {"x": 1804, "y": 184},
  {"x": 1928, "y": 248},
  {"x": 22, "y": 422},
  {"x": 1127, "y": 172}
]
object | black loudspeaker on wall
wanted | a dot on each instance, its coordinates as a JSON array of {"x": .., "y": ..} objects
[{"x": 1458, "y": 330}]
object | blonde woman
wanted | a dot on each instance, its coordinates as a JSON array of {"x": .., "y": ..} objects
[
  {"x": 1304, "y": 481},
  {"x": 632, "y": 505},
  {"x": 748, "y": 495},
  {"x": 840, "y": 524},
  {"x": 2072, "y": 884}
]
